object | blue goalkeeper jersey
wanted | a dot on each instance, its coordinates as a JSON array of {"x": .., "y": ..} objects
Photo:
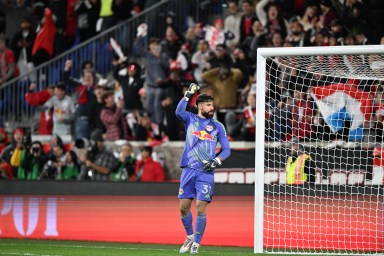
[{"x": 202, "y": 135}]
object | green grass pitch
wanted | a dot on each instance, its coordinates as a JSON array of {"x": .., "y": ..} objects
[{"x": 27, "y": 247}]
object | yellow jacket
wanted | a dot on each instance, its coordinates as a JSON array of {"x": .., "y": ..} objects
[{"x": 295, "y": 170}]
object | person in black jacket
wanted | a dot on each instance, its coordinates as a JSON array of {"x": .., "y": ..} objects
[{"x": 131, "y": 83}]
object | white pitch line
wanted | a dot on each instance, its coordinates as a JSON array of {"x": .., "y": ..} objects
[{"x": 29, "y": 254}]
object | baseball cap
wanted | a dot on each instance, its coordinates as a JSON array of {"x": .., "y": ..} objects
[{"x": 97, "y": 135}]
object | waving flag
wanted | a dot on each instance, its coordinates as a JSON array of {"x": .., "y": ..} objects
[{"x": 340, "y": 102}]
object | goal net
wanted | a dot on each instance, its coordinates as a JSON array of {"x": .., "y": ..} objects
[{"x": 319, "y": 150}]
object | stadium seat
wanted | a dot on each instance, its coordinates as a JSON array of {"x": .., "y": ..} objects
[
  {"x": 338, "y": 177},
  {"x": 236, "y": 177},
  {"x": 249, "y": 176},
  {"x": 378, "y": 175},
  {"x": 221, "y": 176},
  {"x": 356, "y": 177},
  {"x": 271, "y": 176}
]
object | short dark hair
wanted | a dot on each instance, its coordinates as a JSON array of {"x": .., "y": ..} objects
[
  {"x": 60, "y": 85},
  {"x": 106, "y": 95},
  {"x": 248, "y": 2},
  {"x": 204, "y": 98},
  {"x": 148, "y": 149},
  {"x": 154, "y": 40}
]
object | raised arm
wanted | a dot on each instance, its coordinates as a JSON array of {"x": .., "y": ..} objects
[{"x": 181, "y": 112}]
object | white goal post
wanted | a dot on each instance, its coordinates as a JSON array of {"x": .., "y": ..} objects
[{"x": 340, "y": 212}]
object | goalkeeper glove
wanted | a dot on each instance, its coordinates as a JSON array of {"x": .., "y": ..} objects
[
  {"x": 191, "y": 90},
  {"x": 209, "y": 165}
]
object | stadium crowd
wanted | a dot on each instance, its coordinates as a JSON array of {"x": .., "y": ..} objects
[{"x": 219, "y": 54}]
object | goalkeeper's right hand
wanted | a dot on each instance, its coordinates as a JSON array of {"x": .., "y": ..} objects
[{"x": 191, "y": 90}]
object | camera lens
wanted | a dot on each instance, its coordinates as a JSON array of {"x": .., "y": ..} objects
[{"x": 36, "y": 150}]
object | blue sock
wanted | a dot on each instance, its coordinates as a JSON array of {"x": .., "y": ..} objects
[
  {"x": 187, "y": 223},
  {"x": 201, "y": 222}
]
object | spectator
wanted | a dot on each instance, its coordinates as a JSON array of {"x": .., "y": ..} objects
[
  {"x": 145, "y": 129},
  {"x": 300, "y": 167},
  {"x": 247, "y": 19},
  {"x": 224, "y": 82},
  {"x": 71, "y": 168},
  {"x": 174, "y": 92},
  {"x": 216, "y": 35},
  {"x": 37, "y": 99},
  {"x": 131, "y": 84},
  {"x": 107, "y": 17},
  {"x": 310, "y": 18},
  {"x": 63, "y": 111},
  {"x": 127, "y": 162},
  {"x": 4, "y": 140},
  {"x": 232, "y": 23},
  {"x": 191, "y": 39},
  {"x": 12, "y": 153},
  {"x": 328, "y": 14},
  {"x": 148, "y": 170},
  {"x": 8, "y": 67},
  {"x": 249, "y": 115},
  {"x": 157, "y": 64},
  {"x": 32, "y": 163},
  {"x": 55, "y": 165},
  {"x": 111, "y": 116},
  {"x": 43, "y": 47},
  {"x": 96, "y": 106},
  {"x": 221, "y": 58},
  {"x": 87, "y": 12},
  {"x": 337, "y": 30},
  {"x": 99, "y": 162},
  {"x": 21, "y": 45},
  {"x": 171, "y": 45},
  {"x": 297, "y": 36},
  {"x": 301, "y": 116},
  {"x": 272, "y": 19},
  {"x": 5, "y": 171},
  {"x": 277, "y": 40},
  {"x": 15, "y": 12},
  {"x": 85, "y": 98},
  {"x": 258, "y": 38},
  {"x": 200, "y": 60},
  {"x": 242, "y": 62}
]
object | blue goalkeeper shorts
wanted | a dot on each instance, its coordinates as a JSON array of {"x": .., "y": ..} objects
[{"x": 196, "y": 184}]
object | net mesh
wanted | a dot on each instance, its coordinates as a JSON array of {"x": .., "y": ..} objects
[{"x": 323, "y": 155}]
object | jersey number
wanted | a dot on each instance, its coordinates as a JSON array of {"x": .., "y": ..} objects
[{"x": 206, "y": 189}]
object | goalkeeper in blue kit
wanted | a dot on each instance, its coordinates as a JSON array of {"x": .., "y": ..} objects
[{"x": 198, "y": 163}]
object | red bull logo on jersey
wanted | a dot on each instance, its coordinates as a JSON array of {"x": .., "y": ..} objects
[{"x": 203, "y": 135}]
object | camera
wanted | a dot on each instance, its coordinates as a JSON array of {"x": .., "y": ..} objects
[
  {"x": 36, "y": 150},
  {"x": 83, "y": 143},
  {"x": 89, "y": 145}
]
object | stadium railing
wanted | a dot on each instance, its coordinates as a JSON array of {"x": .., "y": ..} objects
[{"x": 16, "y": 112}]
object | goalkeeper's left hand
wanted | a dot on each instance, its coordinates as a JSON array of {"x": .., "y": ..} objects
[
  {"x": 209, "y": 165},
  {"x": 191, "y": 90}
]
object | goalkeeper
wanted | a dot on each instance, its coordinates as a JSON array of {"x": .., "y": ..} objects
[{"x": 198, "y": 163}]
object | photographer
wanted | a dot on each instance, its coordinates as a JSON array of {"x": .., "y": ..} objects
[
  {"x": 12, "y": 154},
  {"x": 54, "y": 166},
  {"x": 126, "y": 168},
  {"x": 98, "y": 163},
  {"x": 33, "y": 162}
]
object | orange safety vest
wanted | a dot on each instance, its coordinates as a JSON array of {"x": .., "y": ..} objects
[{"x": 295, "y": 170}]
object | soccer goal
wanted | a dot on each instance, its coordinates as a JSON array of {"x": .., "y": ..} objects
[{"x": 319, "y": 150}]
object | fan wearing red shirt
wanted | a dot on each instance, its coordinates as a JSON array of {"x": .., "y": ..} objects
[
  {"x": 148, "y": 170},
  {"x": 8, "y": 67},
  {"x": 37, "y": 99},
  {"x": 302, "y": 115}
]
